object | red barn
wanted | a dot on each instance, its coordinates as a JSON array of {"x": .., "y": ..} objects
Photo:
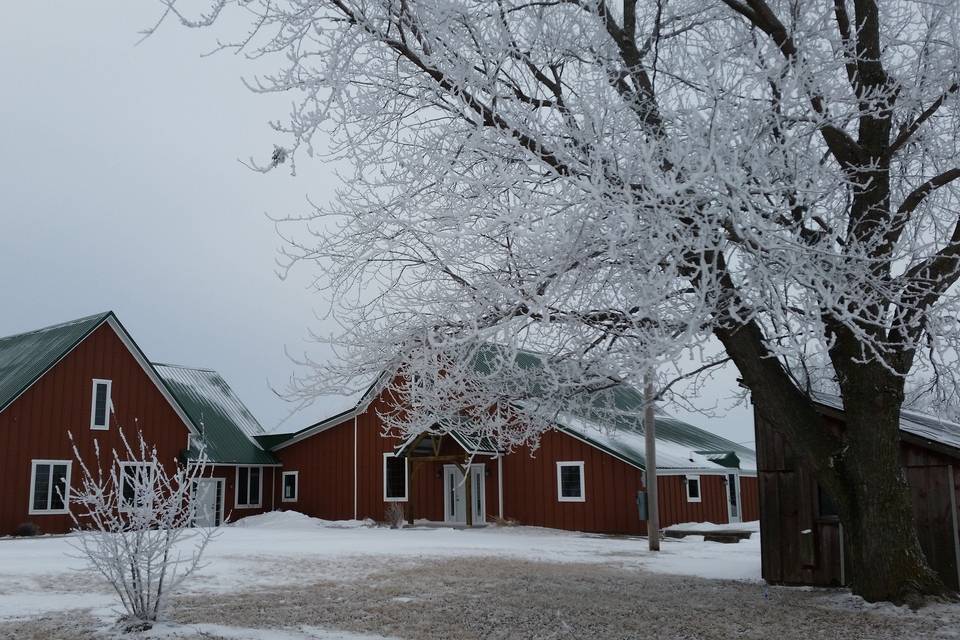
[
  {"x": 89, "y": 378},
  {"x": 584, "y": 476}
]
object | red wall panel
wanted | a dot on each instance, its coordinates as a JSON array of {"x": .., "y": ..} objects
[{"x": 35, "y": 425}]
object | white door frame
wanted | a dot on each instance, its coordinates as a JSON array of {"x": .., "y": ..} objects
[
  {"x": 223, "y": 487},
  {"x": 475, "y": 469},
  {"x": 730, "y": 517}
]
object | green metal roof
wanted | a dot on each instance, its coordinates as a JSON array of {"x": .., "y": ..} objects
[
  {"x": 229, "y": 431},
  {"x": 612, "y": 420},
  {"x": 27, "y": 356}
]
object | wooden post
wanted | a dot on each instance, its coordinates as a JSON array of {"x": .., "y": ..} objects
[
  {"x": 410, "y": 492},
  {"x": 650, "y": 457}
]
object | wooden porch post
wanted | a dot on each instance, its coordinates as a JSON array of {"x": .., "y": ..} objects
[
  {"x": 410, "y": 492},
  {"x": 468, "y": 479}
]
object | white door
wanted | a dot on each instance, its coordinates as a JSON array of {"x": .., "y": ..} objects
[
  {"x": 455, "y": 495},
  {"x": 207, "y": 502},
  {"x": 733, "y": 496}
]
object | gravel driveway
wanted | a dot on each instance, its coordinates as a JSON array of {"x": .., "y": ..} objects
[{"x": 485, "y": 598}]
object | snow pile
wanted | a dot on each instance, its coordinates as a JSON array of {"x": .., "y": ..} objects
[
  {"x": 294, "y": 520},
  {"x": 710, "y": 526}
]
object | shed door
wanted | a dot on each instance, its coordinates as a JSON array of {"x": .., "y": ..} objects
[{"x": 935, "y": 512}]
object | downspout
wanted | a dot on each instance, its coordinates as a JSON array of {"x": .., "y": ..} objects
[{"x": 355, "y": 467}]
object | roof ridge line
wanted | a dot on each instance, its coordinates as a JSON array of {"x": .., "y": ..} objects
[{"x": 59, "y": 325}]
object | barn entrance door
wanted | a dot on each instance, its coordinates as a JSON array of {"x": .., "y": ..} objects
[
  {"x": 207, "y": 502},
  {"x": 733, "y": 497},
  {"x": 455, "y": 495}
]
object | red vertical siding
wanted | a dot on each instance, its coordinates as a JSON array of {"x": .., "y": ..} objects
[
  {"x": 325, "y": 465},
  {"x": 676, "y": 508},
  {"x": 35, "y": 425},
  {"x": 749, "y": 498},
  {"x": 611, "y": 486}
]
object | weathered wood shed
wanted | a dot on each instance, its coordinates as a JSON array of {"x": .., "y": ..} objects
[{"x": 801, "y": 534}]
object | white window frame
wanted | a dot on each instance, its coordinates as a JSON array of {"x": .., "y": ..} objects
[
  {"x": 583, "y": 482},
  {"x": 93, "y": 405},
  {"x": 236, "y": 488},
  {"x": 296, "y": 486},
  {"x": 686, "y": 484},
  {"x": 122, "y": 503},
  {"x": 33, "y": 479},
  {"x": 406, "y": 479}
]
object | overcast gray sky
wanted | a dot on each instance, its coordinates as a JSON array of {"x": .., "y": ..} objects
[{"x": 120, "y": 189}]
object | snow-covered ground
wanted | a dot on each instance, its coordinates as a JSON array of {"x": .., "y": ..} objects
[
  {"x": 286, "y": 549},
  {"x": 283, "y": 576}
]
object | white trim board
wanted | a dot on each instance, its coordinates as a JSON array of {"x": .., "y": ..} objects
[
  {"x": 583, "y": 481},
  {"x": 33, "y": 479},
  {"x": 296, "y": 486}
]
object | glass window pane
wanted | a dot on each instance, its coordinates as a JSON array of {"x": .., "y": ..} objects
[
  {"x": 289, "y": 486},
  {"x": 396, "y": 470},
  {"x": 255, "y": 485},
  {"x": 58, "y": 490},
  {"x": 41, "y": 487},
  {"x": 693, "y": 487},
  {"x": 570, "y": 481},
  {"x": 243, "y": 479},
  {"x": 100, "y": 410},
  {"x": 129, "y": 481}
]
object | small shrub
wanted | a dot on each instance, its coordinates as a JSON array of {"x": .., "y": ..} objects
[
  {"x": 26, "y": 530},
  {"x": 504, "y": 522},
  {"x": 396, "y": 518}
]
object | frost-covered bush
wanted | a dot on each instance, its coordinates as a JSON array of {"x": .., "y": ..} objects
[
  {"x": 134, "y": 520},
  {"x": 395, "y": 516}
]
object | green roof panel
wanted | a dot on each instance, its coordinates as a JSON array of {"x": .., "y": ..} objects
[
  {"x": 228, "y": 429},
  {"x": 27, "y": 356}
]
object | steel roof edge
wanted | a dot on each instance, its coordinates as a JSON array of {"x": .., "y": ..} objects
[
  {"x": 147, "y": 367},
  {"x": 328, "y": 423},
  {"x": 105, "y": 316}
]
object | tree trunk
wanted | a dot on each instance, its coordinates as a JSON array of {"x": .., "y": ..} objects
[
  {"x": 884, "y": 560},
  {"x": 859, "y": 468}
]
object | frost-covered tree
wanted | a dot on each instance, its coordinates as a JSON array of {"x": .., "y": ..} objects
[
  {"x": 133, "y": 523},
  {"x": 613, "y": 184}
]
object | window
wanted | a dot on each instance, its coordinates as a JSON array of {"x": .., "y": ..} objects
[
  {"x": 136, "y": 482},
  {"x": 100, "y": 405},
  {"x": 394, "y": 478},
  {"x": 826, "y": 507},
  {"x": 248, "y": 487},
  {"x": 693, "y": 488},
  {"x": 291, "y": 489},
  {"x": 570, "y": 482},
  {"x": 49, "y": 487}
]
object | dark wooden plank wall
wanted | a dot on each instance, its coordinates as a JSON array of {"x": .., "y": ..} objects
[
  {"x": 789, "y": 510},
  {"x": 35, "y": 425}
]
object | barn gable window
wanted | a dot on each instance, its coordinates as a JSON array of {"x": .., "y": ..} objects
[
  {"x": 570, "y": 482},
  {"x": 394, "y": 478},
  {"x": 693, "y": 488},
  {"x": 100, "y": 405},
  {"x": 136, "y": 484},
  {"x": 291, "y": 489},
  {"x": 49, "y": 487},
  {"x": 248, "y": 487}
]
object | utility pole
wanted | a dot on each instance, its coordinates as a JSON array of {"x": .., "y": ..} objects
[{"x": 650, "y": 457}]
